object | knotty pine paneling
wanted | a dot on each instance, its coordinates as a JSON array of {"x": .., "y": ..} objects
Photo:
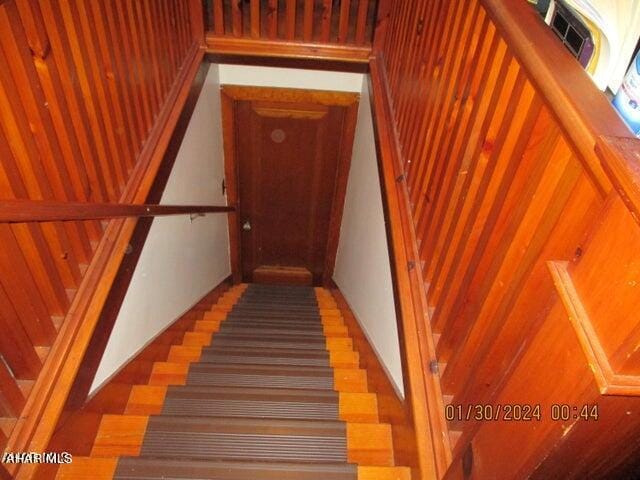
[
  {"x": 502, "y": 180},
  {"x": 341, "y": 31},
  {"x": 81, "y": 85}
]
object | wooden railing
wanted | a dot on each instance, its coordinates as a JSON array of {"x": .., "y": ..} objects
[
  {"x": 21, "y": 211},
  {"x": 89, "y": 94},
  {"x": 325, "y": 29},
  {"x": 515, "y": 242}
]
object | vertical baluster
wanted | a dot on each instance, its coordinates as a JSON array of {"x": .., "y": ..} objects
[
  {"x": 147, "y": 51},
  {"x": 361, "y": 22},
  {"x": 255, "y": 18},
  {"x": 33, "y": 23},
  {"x": 207, "y": 6},
  {"x": 325, "y": 29},
  {"x": 272, "y": 20},
  {"x": 218, "y": 17},
  {"x": 343, "y": 25},
  {"x": 11, "y": 397},
  {"x": 290, "y": 30},
  {"x": 307, "y": 26},
  {"x": 75, "y": 118},
  {"x": 236, "y": 17},
  {"x": 16, "y": 346},
  {"x": 26, "y": 123},
  {"x": 197, "y": 23},
  {"x": 34, "y": 28}
]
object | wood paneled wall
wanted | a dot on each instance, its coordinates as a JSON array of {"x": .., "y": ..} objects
[
  {"x": 292, "y": 28},
  {"x": 513, "y": 217},
  {"x": 86, "y": 88},
  {"x": 347, "y": 21}
]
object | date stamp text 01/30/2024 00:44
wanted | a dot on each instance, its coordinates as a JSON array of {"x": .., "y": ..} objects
[{"x": 521, "y": 412}]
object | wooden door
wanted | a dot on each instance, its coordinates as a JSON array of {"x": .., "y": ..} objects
[{"x": 290, "y": 152}]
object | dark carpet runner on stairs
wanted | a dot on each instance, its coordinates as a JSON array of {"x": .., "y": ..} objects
[{"x": 258, "y": 405}]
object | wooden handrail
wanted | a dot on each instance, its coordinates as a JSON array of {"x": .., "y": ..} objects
[
  {"x": 422, "y": 389},
  {"x": 18, "y": 211},
  {"x": 621, "y": 161},
  {"x": 584, "y": 113}
]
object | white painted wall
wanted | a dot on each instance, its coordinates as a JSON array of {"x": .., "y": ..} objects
[
  {"x": 363, "y": 271},
  {"x": 181, "y": 260},
  {"x": 290, "y": 78}
]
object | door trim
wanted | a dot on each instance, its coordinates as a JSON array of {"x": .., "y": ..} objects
[{"x": 232, "y": 93}]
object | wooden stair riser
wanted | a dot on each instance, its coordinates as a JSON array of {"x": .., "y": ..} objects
[
  {"x": 197, "y": 339},
  {"x": 169, "y": 373},
  {"x": 222, "y": 308},
  {"x": 335, "y": 331},
  {"x": 326, "y": 303},
  {"x": 214, "y": 315},
  {"x": 226, "y": 301},
  {"x": 350, "y": 380},
  {"x": 370, "y": 444},
  {"x": 339, "y": 344},
  {"x": 231, "y": 296},
  {"x": 120, "y": 435},
  {"x": 344, "y": 359},
  {"x": 332, "y": 321},
  {"x": 146, "y": 400},
  {"x": 184, "y": 354},
  {"x": 207, "y": 326},
  {"x": 358, "y": 407}
]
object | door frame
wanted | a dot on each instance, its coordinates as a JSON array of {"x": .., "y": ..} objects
[{"x": 230, "y": 94}]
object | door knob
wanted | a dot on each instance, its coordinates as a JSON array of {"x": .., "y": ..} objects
[{"x": 246, "y": 226}]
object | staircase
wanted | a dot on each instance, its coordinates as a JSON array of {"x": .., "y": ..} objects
[{"x": 266, "y": 386}]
